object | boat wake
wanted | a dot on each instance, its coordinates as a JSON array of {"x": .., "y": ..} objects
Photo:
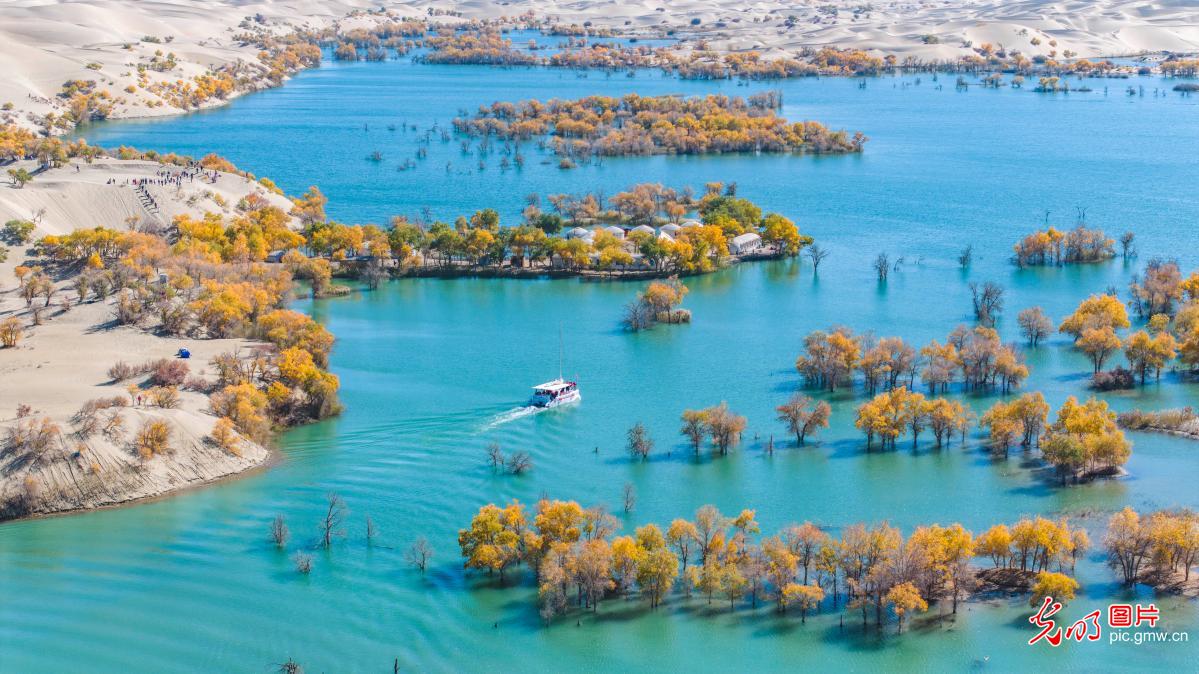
[{"x": 512, "y": 415}]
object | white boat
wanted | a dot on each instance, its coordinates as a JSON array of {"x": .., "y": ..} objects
[{"x": 556, "y": 392}]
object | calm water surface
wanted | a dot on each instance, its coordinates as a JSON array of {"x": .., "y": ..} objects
[{"x": 431, "y": 368}]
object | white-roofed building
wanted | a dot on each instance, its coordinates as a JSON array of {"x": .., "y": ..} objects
[
  {"x": 745, "y": 243},
  {"x": 671, "y": 229},
  {"x": 615, "y": 231},
  {"x": 578, "y": 233},
  {"x": 692, "y": 223},
  {"x": 644, "y": 228},
  {"x": 663, "y": 236}
]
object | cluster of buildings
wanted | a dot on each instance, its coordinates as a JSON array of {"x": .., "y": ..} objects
[{"x": 742, "y": 244}]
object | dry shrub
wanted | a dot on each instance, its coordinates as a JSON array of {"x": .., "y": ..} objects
[
  {"x": 114, "y": 428},
  {"x": 1175, "y": 419},
  {"x": 120, "y": 371},
  {"x": 96, "y": 404},
  {"x": 230, "y": 369},
  {"x": 168, "y": 372},
  {"x": 153, "y": 439},
  {"x": 676, "y": 316},
  {"x": 10, "y": 332},
  {"x": 31, "y": 435},
  {"x": 86, "y": 425},
  {"x": 33, "y": 489},
  {"x": 1115, "y": 379},
  {"x": 128, "y": 310},
  {"x": 166, "y": 397},
  {"x": 198, "y": 384}
]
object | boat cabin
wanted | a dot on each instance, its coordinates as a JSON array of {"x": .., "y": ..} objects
[{"x": 552, "y": 392}]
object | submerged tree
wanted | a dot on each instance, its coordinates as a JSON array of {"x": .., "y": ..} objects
[
  {"x": 639, "y": 443},
  {"x": 419, "y": 554},
  {"x": 279, "y": 532},
  {"x": 1035, "y": 326},
  {"x": 988, "y": 302},
  {"x": 334, "y": 517},
  {"x": 816, "y": 253},
  {"x": 803, "y": 415}
]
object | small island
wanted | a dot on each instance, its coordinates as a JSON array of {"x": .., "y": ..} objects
[{"x": 641, "y": 125}]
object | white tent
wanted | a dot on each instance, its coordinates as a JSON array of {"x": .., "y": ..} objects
[{"x": 745, "y": 243}]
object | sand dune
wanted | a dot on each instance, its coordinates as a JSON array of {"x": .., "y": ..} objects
[
  {"x": 43, "y": 44},
  {"x": 63, "y": 363}
]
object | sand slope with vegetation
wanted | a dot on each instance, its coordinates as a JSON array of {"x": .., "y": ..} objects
[{"x": 72, "y": 436}]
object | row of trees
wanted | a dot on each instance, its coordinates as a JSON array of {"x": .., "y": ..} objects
[
  {"x": 895, "y": 412},
  {"x": 480, "y": 240},
  {"x": 975, "y": 356},
  {"x": 579, "y": 560},
  {"x": 483, "y": 43},
  {"x": 1084, "y": 440},
  {"x": 633, "y": 125}
]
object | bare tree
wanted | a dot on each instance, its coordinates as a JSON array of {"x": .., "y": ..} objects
[
  {"x": 290, "y": 667},
  {"x": 279, "y": 532},
  {"x": 640, "y": 445},
  {"x": 335, "y": 515},
  {"x": 966, "y": 256},
  {"x": 520, "y": 463},
  {"x": 371, "y": 274},
  {"x": 419, "y": 554},
  {"x": 816, "y": 253},
  {"x": 629, "y": 495},
  {"x": 495, "y": 455},
  {"x": 1034, "y": 325},
  {"x": 638, "y": 316},
  {"x": 303, "y": 562},
  {"x": 1127, "y": 247},
  {"x": 802, "y": 415},
  {"x": 988, "y": 302},
  {"x": 882, "y": 264}
]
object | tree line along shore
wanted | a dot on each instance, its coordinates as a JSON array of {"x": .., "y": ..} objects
[
  {"x": 645, "y": 231},
  {"x": 155, "y": 74}
]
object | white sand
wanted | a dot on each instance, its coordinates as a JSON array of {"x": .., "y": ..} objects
[
  {"x": 63, "y": 363},
  {"x": 45, "y": 43}
]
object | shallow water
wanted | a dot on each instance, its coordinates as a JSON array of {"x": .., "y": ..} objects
[{"x": 429, "y": 366}]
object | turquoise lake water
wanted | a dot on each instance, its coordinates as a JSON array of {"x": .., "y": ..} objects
[{"x": 430, "y": 370}]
